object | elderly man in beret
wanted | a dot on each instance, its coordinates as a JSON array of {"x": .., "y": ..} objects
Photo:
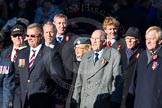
[
  {"x": 81, "y": 46},
  {"x": 129, "y": 56}
]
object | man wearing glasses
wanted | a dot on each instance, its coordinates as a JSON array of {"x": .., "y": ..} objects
[
  {"x": 17, "y": 32},
  {"x": 37, "y": 70},
  {"x": 98, "y": 84}
]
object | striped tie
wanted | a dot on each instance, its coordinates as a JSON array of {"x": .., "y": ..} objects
[
  {"x": 31, "y": 60},
  {"x": 15, "y": 56}
]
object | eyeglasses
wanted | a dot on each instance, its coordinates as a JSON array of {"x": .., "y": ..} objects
[
  {"x": 33, "y": 36},
  {"x": 16, "y": 35},
  {"x": 130, "y": 39}
]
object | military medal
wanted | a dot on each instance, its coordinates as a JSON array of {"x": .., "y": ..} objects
[{"x": 21, "y": 63}]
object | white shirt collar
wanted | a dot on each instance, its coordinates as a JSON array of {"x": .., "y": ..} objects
[
  {"x": 100, "y": 52},
  {"x": 51, "y": 45},
  {"x": 37, "y": 50}
]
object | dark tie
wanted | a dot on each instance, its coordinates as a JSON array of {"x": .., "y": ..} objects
[
  {"x": 96, "y": 57},
  {"x": 109, "y": 44},
  {"x": 59, "y": 39},
  {"x": 31, "y": 60},
  {"x": 15, "y": 56}
]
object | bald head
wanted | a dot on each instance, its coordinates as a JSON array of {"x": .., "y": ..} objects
[{"x": 98, "y": 40}]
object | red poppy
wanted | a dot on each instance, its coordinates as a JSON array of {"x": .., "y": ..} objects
[
  {"x": 137, "y": 55},
  {"x": 9, "y": 56},
  {"x": 119, "y": 47},
  {"x": 67, "y": 38},
  {"x": 103, "y": 61},
  {"x": 154, "y": 57}
]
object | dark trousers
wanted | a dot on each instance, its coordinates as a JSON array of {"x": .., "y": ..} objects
[
  {"x": 17, "y": 98},
  {"x": 39, "y": 100}
]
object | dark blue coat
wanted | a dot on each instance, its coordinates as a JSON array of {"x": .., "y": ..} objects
[
  {"x": 146, "y": 86},
  {"x": 7, "y": 82}
]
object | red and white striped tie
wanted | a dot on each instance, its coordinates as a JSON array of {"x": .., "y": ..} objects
[
  {"x": 15, "y": 56},
  {"x": 31, "y": 60}
]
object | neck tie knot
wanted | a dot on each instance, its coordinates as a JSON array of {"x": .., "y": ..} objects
[{"x": 59, "y": 39}]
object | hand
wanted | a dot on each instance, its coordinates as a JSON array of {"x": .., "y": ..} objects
[{"x": 10, "y": 104}]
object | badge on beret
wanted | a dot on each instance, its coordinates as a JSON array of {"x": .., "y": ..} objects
[
  {"x": 78, "y": 42},
  {"x": 21, "y": 63}
]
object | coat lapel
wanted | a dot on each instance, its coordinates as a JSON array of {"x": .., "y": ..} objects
[{"x": 102, "y": 62}]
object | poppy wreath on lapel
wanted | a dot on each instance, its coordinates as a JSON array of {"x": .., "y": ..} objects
[
  {"x": 155, "y": 64},
  {"x": 67, "y": 38},
  {"x": 119, "y": 47}
]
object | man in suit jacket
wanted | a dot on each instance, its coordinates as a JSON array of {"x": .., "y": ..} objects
[
  {"x": 17, "y": 32},
  {"x": 146, "y": 83},
  {"x": 37, "y": 70},
  {"x": 111, "y": 27},
  {"x": 99, "y": 84},
  {"x": 64, "y": 44},
  {"x": 129, "y": 56}
]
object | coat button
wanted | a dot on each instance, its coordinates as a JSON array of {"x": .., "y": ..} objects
[
  {"x": 28, "y": 81},
  {"x": 89, "y": 82},
  {"x": 26, "y": 91}
]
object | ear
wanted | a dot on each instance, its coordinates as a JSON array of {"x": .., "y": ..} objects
[
  {"x": 104, "y": 42},
  {"x": 160, "y": 42}
]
